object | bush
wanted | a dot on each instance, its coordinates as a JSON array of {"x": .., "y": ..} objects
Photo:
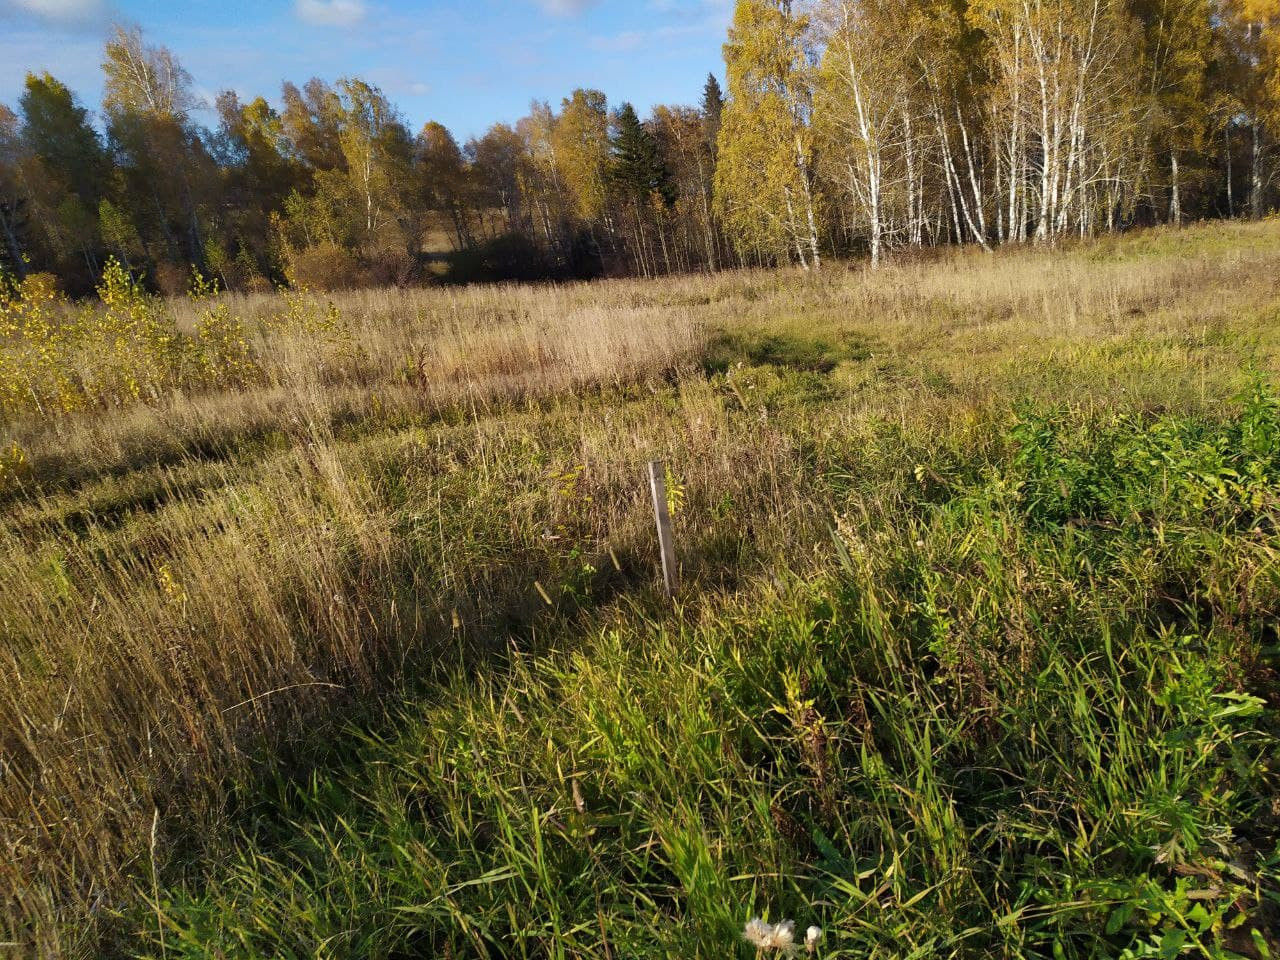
[
  {"x": 172, "y": 279},
  {"x": 45, "y": 283},
  {"x": 324, "y": 266},
  {"x": 391, "y": 267},
  {"x": 56, "y": 358}
]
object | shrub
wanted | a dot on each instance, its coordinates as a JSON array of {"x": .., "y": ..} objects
[
  {"x": 56, "y": 358},
  {"x": 13, "y": 467},
  {"x": 391, "y": 267},
  {"x": 171, "y": 279},
  {"x": 324, "y": 266}
]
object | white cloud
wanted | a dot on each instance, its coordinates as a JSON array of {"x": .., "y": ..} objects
[
  {"x": 331, "y": 13},
  {"x": 58, "y": 12},
  {"x": 671, "y": 22},
  {"x": 565, "y": 8},
  {"x": 621, "y": 42},
  {"x": 713, "y": 11}
]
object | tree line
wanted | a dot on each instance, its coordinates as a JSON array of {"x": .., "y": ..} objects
[
  {"x": 850, "y": 127},
  {"x": 867, "y": 124}
]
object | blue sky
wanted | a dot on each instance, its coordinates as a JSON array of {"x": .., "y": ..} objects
[{"x": 466, "y": 63}]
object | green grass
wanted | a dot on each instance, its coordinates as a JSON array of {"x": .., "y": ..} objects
[{"x": 1024, "y": 713}]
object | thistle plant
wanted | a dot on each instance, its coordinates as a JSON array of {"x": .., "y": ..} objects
[{"x": 780, "y": 938}]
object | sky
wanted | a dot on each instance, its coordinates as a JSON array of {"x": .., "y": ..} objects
[{"x": 466, "y": 63}]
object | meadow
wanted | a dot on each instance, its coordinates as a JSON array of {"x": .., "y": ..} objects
[{"x": 332, "y": 627}]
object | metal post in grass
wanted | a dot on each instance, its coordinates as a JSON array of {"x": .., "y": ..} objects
[{"x": 666, "y": 540}]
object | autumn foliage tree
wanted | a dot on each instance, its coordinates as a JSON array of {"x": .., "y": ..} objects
[{"x": 765, "y": 175}]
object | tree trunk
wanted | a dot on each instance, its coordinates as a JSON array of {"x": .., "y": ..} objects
[
  {"x": 1231, "y": 200},
  {"x": 971, "y": 168},
  {"x": 795, "y": 231},
  {"x": 810, "y": 217},
  {"x": 709, "y": 225},
  {"x": 7, "y": 216},
  {"x": 958, "y": 197},
  {"x": 1016, "y": 227},
  {"x": 1255, "y": 192},
  {"x": 915, "y": 198},
  {"x": 1046, "y": 155},
  {"x": 170, "y": 243}
]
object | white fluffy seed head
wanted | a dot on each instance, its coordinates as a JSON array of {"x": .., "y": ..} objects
[
  {"x": 784, "y": 935},
  {"x": 756, "y": 932},
  {"x": 812, "y": 937},
  {"x": 771, "y": 936}
]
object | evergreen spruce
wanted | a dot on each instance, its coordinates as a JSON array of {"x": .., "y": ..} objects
[{"x": 637, "y": 167}]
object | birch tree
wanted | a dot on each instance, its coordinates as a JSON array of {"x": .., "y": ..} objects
[
  {"x": 494, "y": 161},
  {"x": 1177, "y": 44},
  {"x": 1066, "y": 81},
  {"x": 140, "y": 78},
  {"x": 375, "y": 147},
  {"x": 765, "y": 172},
  {"x": 681, "y": 134},
  {"x": 863, "y": 104},
  {"x": 170, "y": 180},
  {"x": 442, "y": 183}
]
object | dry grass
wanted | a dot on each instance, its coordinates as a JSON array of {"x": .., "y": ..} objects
[{"x": 190, "y": 586}]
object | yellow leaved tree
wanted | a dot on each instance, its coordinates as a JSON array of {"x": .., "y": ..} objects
[{"x": 765, "y": 177}]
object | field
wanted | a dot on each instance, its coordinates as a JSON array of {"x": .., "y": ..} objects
[{"x": 333, "y": 628}]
